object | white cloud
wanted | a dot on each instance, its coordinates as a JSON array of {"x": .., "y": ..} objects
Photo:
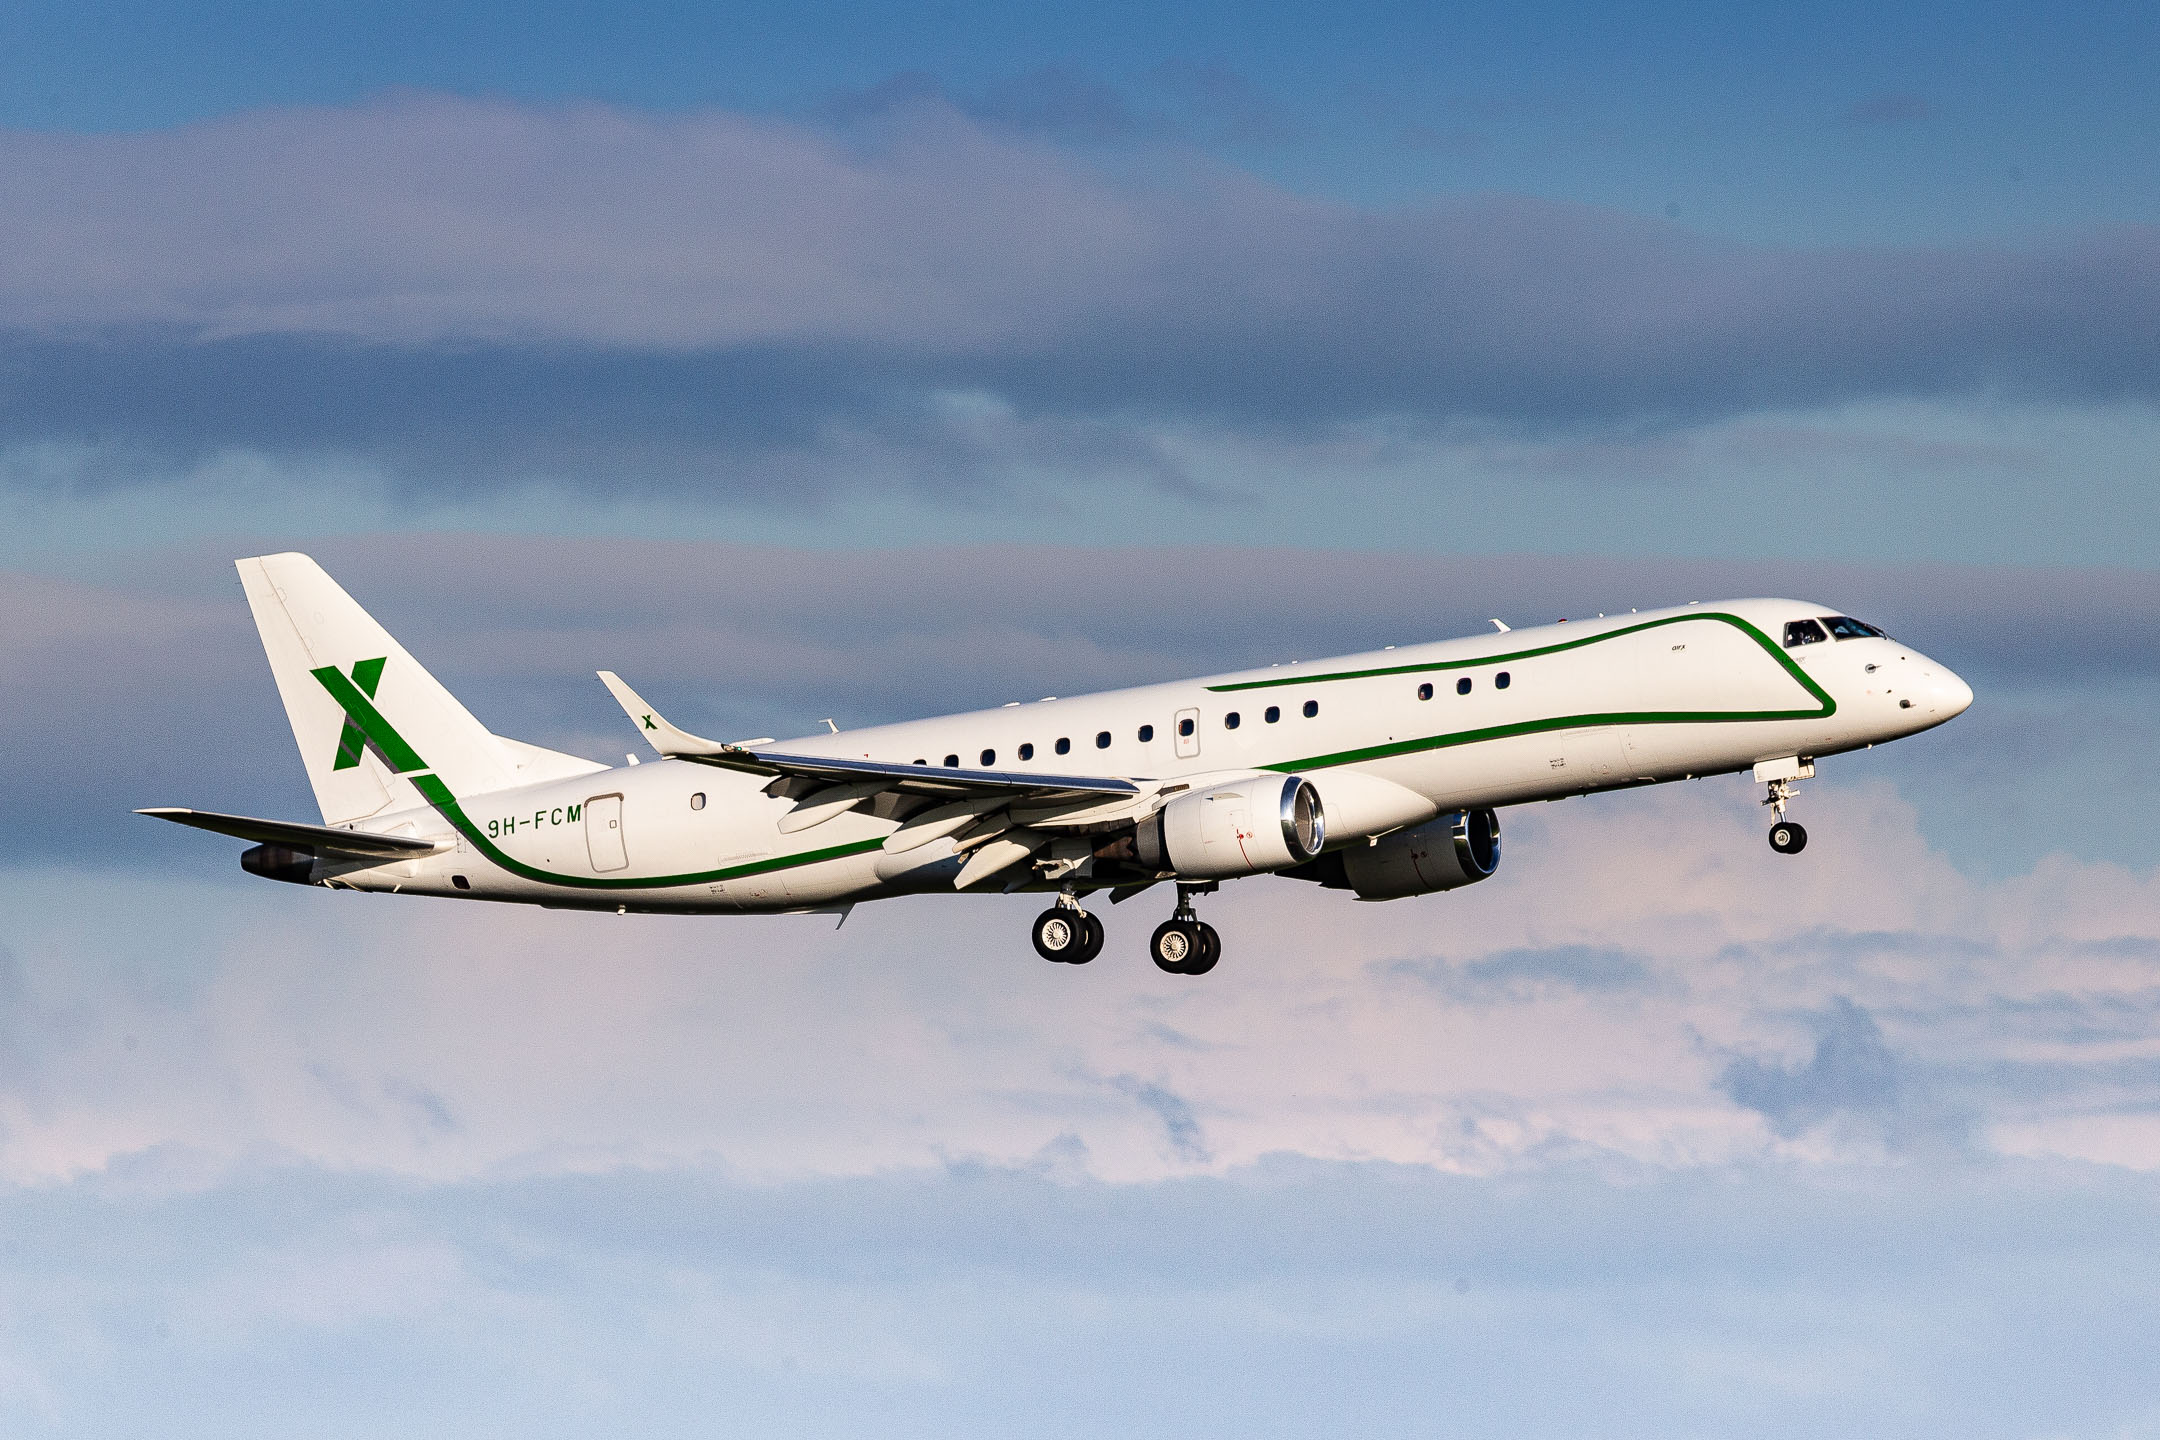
[
  {"x": 527, "y": 243},
  {"x": 425, "y": 217},
  {"x": 445, "y": 1041}
]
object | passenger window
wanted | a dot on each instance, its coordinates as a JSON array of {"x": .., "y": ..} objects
[
  {"x": 1147, "y": 733},
  {"x": 1064, "y": 745},
  {"x": 697, "y": 801},
  {"x": 1027, "y": 751},
  {"x": 1184, "y": 727},
  {"x": 989, "y": 758},
  {"x": 1102, "y": 739},
  {"x": 1803, "y": 632},
  {"x": 1462, "y": 686},
  {"x": 1230, "y": 721},
  {"x": 1274, "y": 713},
  {"x": 1424, "y": 692},
  {"x": 1312, "y": 708},
  {"x": 1500, "y": 681},
  {"x": 952, "y": 762}
]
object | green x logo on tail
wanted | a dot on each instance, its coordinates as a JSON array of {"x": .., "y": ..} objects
[{"x": 352, "y": 741}]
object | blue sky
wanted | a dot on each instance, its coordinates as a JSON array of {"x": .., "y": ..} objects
[{"x": 837, "y": 360}]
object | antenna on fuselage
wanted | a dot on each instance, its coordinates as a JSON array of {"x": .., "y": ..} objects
[{"x": 1500, "y": 625}]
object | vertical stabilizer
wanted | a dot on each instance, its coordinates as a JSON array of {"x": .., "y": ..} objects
[{"x": 308, "y": 623}]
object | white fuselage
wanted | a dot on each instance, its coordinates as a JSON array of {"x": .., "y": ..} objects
[{"x": 1618, "y": 701}]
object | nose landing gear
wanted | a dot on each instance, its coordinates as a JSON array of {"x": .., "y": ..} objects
[
  {"x": 1067, "y": 935},
  {"x": 1787, "y": 837},
  {"x": 1185, "y": 944}
]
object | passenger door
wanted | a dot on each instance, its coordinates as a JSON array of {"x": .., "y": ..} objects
[
  {"x": 603, "y": 833},
  {"x": 1188, "y": 734}
]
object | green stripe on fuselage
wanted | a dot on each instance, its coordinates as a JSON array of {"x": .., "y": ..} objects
[
  {"x": 1733, "y": 620},
  {"x": 363, "y": 712},
  {"x": 407, "y": 762},
  {"x": 438, "y": 795},
  {"x": 1824, "y": 708}
]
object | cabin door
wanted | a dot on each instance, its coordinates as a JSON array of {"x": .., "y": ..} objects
[{"x": 603, "y": 832}]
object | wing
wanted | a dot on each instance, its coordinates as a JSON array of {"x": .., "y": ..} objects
[
  {"x": 999, "y": 819},
  {"x": 876, "y": 775},
  {"x": 323, "y": 840}
]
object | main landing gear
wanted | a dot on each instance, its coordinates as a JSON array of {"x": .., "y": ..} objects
[
  {"x": 1185, "y": 944},
  {"x": 1067, "y": 935}
]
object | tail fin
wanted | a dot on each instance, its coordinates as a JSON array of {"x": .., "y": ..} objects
[{"x": 364, "y": 712}]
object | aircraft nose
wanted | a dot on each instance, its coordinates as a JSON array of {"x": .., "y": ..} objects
[{"x": 1951, "y": 696}]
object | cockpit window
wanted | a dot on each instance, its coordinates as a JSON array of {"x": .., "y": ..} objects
[
  {"x": 1847, "y": 628},
  {"x": 1803, "y": 632}
]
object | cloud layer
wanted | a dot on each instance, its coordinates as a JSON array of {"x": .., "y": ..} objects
[
  {"x": 476, "y": 286},
  {"x": 1306, "y": 1299},
  {"x": 1850, "y": 1143},
  {"x": 1645, "y": 984}
]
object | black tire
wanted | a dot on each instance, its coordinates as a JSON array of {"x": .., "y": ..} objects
[
  {"x": 1175, "y": 947},
  {"x": 1787, "y": 838},
  {"x": 1210, "y": 951},
  {"x": 1060, "y": 935},
  {"x": 1091, "y": 944}
]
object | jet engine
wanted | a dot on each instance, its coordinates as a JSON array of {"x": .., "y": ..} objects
[
  {"x": 1461, "y": 847},
  {"x": 276, "y": 862},
  {"x": 1246, "y": 828}
]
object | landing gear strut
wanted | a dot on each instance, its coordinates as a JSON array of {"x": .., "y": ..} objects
[
  {"x": 1185, "y": 944},
  {"x": 1787, "y": 837},
  {"x": 1067, "y": 935}
]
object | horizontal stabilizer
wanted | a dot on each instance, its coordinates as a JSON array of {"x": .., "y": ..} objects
[{"x": 323, "y": 840}]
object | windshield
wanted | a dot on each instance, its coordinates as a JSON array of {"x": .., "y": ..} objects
[
  {"x": 1847, "y": 628},
  {"x": 1803, "y": 632}
]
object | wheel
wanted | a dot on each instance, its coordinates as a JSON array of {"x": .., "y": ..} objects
[
  {"x": 1210, "y": 951},
  {"x": 1787, "y": 838},
  {"x": 1061, "y": 935},
  {"x": 1091, "y": 943},
  {"x": 1176, "y": 946}
]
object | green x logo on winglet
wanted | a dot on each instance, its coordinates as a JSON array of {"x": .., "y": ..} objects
[
  {"x": 352, "y": 740},
  {"x": 649, "y": 725}
]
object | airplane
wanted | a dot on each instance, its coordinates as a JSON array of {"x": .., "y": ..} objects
[{"x": 1380, "y": 773}]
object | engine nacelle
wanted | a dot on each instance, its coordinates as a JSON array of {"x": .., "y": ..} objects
[
  {"x": 276, "y": 862},
  {"x": 1461, "y": 847},
  {"x": 1246, "y": 828}
]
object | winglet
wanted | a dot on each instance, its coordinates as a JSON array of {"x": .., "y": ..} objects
[{"x": 663, "y": 737}]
